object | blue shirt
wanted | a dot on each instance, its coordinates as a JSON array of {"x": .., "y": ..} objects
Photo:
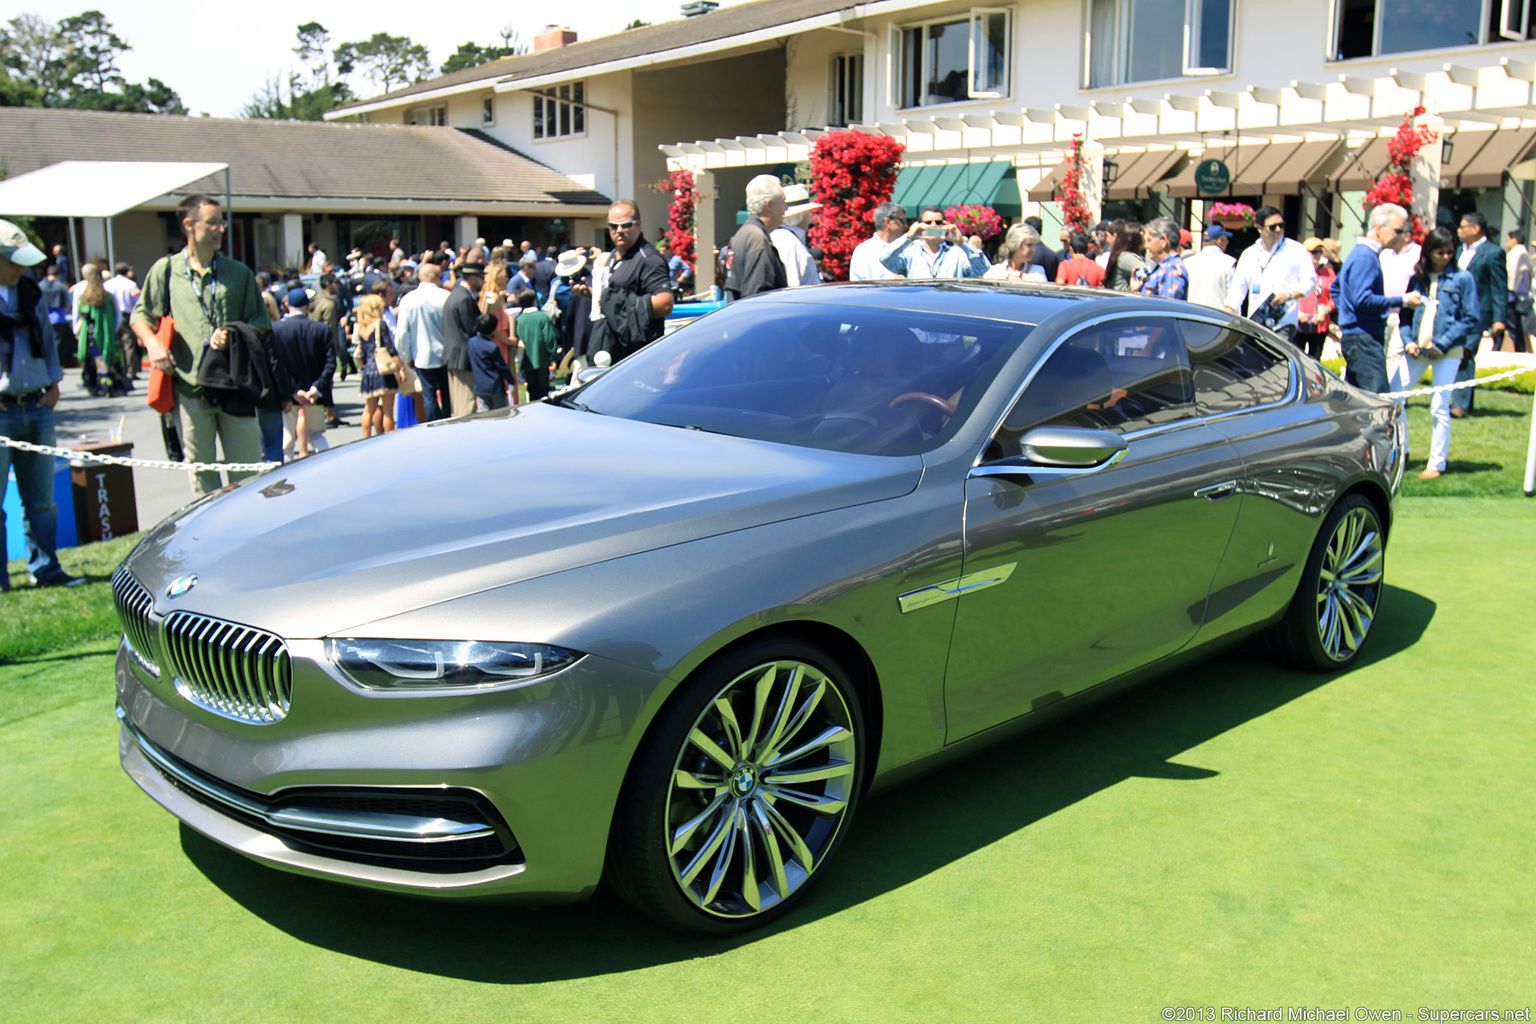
[
  {"x": 912, "y": 259},
  {"x": 28, "y": 373},
  {"x": 1358, "y": 292},
  {"x": 1169, "y": 280}
]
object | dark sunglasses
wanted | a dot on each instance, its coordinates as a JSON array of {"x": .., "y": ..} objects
[{"x": 1276, "y": 226}]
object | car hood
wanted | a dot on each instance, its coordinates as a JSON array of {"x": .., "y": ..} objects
[{"x": 447, "y": 509}]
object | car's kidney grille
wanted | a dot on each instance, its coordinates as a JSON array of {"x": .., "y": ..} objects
[
  {"x": 133, "y": 603},
  {"x": 230, "y": 669}
]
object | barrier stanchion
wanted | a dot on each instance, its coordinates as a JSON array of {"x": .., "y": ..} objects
[{"x": 1530, "y": 455}]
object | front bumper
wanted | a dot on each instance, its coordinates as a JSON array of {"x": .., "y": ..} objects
[{"x": 506, "y": 795}]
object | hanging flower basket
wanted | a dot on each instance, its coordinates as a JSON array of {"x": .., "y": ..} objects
[{"x": 1232, "y": 216}]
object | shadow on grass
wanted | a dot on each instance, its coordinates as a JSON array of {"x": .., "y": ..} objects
[{"x": 936, "y": 821}]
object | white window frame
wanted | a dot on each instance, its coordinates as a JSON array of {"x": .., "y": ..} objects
[
  {"x": 974, "y": 20},
  {"x": 845, "y": 83},
  {"x": 488, "y": 111},
  {"x": 1517, "y": 33},
  {"x": 1485, "y": 13},
  {"x": 548, "y": 106},
  {"x": 433, "y": 117},
  {"x": 1122, "y": 47}
]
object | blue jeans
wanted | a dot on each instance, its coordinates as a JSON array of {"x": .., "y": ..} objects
[
  {"x": 1462, "y": 399},
  {"x": 34, "y": 485},
  {"x": 271, "y": 423},
  {"x": 1365, "y": 361}
]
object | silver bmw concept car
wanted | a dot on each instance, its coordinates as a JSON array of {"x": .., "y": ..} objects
[{"x": 668, "y": 628}]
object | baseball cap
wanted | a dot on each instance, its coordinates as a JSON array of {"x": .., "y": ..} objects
[
  {"x": 297, "y": 297},
  {"x": 15, "y": 247},
  {"x": 1216, "y": 231}
]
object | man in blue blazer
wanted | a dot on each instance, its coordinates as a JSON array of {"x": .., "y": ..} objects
[{"x": 1485, "y": 262}]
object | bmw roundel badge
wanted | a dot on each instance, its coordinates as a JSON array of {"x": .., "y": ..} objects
[{"x": 181, "y": 584}]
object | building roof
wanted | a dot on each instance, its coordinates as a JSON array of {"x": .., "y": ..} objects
[
  {"x": 305, "y": 160},
  {"x": 661, "y": 37}
]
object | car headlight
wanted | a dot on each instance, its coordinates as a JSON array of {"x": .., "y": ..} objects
[{"x": 440, "y": 665}]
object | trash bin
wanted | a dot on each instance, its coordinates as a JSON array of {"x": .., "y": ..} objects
[{"x": 105, "y": 503}]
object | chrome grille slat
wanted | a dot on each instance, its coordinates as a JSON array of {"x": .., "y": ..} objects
[
  {"x": 133, "y": 604},
  {"x": 232, "y": 670}
]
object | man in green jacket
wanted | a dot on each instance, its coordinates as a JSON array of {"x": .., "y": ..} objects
[{"x": 207, "y": 291}]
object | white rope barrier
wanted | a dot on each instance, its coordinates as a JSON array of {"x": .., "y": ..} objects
[
  {"x": 74, "y": 455},
  {"x": 238, "y": 467},
  {"x": 1416, "y": 392}
]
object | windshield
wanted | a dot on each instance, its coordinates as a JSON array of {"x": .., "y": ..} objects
[{"x": 846, "y": 378}]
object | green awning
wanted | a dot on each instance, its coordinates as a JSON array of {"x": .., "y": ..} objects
[
  {"x": 987, "y": 183},
  {"x": 912, "y": 184}
]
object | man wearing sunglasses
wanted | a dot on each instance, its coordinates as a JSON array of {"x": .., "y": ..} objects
[
  {"x": 1278, "y": 269},
  {"x": 638, "y": 296}
]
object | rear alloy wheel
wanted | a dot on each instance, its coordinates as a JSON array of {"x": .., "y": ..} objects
[
  {"x": 1335, "y": 603},
  {"x": 743, "y": 792}
]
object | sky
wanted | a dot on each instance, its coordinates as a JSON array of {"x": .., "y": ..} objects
[{"x": 217, "y": 55}]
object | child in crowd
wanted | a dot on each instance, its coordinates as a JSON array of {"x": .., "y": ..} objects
[
  {"x": 486, "y": 363},
  {"x": 539, "y": 341}
]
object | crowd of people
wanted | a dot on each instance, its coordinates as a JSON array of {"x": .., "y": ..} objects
[{"x": 250, "y": 358}]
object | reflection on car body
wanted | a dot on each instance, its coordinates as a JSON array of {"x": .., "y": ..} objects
[{"x": 667, "y": 629}]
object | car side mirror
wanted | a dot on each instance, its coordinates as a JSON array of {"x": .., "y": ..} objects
[
  {"x": 1059, "y": 450},
  {"x": 1076, "y": 447}
]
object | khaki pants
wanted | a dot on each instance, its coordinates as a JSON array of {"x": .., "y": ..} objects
[
  {"x": 205, "y": 429},
  {"x": 461, "y": 391},
  {"x": 312, "y": 419}
]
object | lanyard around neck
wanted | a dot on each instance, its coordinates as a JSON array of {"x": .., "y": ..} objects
[{"x": 205, "y": 303}]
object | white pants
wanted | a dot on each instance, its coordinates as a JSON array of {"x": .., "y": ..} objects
[{"x": 1406, "y": 371}]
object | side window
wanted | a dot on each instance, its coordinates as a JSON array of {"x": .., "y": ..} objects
[
  {"x": 1233, "y": 370},
  {"x": 1123, "y": 375}
]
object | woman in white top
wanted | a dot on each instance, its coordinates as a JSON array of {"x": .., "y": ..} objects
[{"x": 1013, "y": 264}]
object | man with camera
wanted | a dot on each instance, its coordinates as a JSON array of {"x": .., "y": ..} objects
[{"x": 932, "y": 248}]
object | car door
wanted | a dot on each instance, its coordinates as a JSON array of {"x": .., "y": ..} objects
[{"x": 1076, "y": 575}]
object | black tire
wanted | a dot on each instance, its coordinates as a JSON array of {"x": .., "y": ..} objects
[
  {"x": 1330, "y": 617},
  {"x": 712, "y": 834}
]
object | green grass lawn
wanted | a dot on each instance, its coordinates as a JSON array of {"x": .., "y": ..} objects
[
  {"x": 1487, "y": 448},
  {"x": 1239, "y": 835}
]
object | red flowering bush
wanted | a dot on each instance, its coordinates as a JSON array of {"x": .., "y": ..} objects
[
  {"x": 852, "y": 174},
  {"x": 680, "y": 222},
  {"x": 1396, "y": 183},
  {"x": 973, "y": 219},
  {"x": 1074, "y": 207}
]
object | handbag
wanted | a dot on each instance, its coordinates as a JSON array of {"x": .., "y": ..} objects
[
  {"x": 162, "y": 388},
  {"x": 384, "y": 360}
]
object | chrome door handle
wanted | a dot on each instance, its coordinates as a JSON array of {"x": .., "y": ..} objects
[{"x": 1216, "y": 492}]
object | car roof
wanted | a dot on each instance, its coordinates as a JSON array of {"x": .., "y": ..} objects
[{"x": 993, "y": 300}]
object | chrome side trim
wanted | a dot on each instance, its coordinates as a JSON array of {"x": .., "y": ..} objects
[
  {"x": 912, "y": 600},
  {"x": 365, "y": 824}
]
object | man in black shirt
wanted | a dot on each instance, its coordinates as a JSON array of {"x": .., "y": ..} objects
[
  {"x": 756, "y": 266},
  {"x": 638, "y": 297}
]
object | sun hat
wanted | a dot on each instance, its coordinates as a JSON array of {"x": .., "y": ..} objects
[
  {"x": 15, "y": 247},
  {"x": 571, "y": 262},
  {"x": 798, "y": 200}
]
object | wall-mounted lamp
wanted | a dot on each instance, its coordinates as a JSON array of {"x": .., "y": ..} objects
[
  {"x": 1447, "y": 147},
  {"x": 1111, "y": 171}
]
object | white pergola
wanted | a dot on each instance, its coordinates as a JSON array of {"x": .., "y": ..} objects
[
  {"x": 99, "y": 188},
  {"x": 1352, "y": 108}
]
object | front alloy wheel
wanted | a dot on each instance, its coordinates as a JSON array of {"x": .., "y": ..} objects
[{"x": 761, "y": 775}]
